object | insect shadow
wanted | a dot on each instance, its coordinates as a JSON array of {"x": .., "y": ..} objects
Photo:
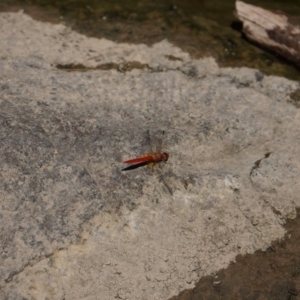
[{"x": 132, "y": 167}]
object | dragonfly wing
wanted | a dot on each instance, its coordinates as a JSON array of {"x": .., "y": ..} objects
[
  {"x": 149, "y": 142},
  {"x": 159, "y": 141},
  {"x": 159, "y": 145}
]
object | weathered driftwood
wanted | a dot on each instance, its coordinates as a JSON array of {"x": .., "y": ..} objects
[{"x": 272, "y": 30}]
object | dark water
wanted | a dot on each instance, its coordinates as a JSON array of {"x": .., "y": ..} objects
[{"x": 202, "y": 28}]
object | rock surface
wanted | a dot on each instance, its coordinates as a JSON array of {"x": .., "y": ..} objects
[{"x": 73, "y": 225}]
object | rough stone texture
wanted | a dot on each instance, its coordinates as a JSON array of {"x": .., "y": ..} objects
[{"x": 73, "y": 226}]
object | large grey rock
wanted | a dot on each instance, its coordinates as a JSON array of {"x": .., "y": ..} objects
[{"x": 74, "y": 226}]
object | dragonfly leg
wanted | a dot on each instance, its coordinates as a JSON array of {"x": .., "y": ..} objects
[{"x": 151, "y": 165}]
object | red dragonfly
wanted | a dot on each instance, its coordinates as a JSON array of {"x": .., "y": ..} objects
[{"x": 150, "y": 159}]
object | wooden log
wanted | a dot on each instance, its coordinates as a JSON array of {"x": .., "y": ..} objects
[{"x": 272, "y": 30}]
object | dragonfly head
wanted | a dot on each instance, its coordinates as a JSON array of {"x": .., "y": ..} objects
[{"x": 165, "y": 156}]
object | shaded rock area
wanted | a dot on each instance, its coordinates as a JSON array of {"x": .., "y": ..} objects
[
  {"x": 272, "y": 274},
  {"x": 73, "y": 225}
]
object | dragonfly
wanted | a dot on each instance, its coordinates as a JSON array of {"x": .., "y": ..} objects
[{"x": 149, "y": 159}]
